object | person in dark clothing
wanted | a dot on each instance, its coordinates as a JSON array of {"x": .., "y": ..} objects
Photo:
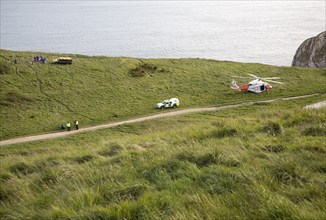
[{"x": 76, "y": 124}]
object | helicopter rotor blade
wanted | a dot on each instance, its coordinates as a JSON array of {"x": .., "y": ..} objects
[
  {"x": 267, "y": 79},
  {"x": 270, "y": 78},
  {"x": 242, "y": 77},
  {"x": 253, "y": 75},
  {"x": 273, "y": 81}
]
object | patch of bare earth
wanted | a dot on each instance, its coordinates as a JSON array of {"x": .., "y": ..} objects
[{"x": 321, "y": 104}]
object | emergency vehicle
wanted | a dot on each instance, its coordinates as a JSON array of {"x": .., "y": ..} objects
[{"x": 172, "y": 103}]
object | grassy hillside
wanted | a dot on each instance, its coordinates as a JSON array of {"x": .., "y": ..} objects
[
  {"x": 265, "y": 161},
  {"x": 38, "y": 98}
]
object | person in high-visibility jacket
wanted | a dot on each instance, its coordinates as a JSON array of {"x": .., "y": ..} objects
[
  {"x": 76, "y": 124},
  {"x": 68, "y": 126}
]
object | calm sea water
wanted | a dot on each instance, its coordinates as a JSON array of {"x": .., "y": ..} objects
[{"x": 266, "y": 32}]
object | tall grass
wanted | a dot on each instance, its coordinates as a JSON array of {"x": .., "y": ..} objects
[{"x": 218, "y": 165}]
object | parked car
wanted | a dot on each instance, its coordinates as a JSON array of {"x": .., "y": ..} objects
[{"x": 172, "y": 103}]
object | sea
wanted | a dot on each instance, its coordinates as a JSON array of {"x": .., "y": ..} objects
[{"x": 267, "y": 32}]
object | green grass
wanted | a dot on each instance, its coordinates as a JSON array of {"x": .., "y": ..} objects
[
  {"x": 265, "y": 161},
  {"x": 218, "y": 165},
  {"x": 39, "y": 98}
]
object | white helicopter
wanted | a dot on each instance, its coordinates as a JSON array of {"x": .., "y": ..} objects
[{"x": 257, "y": 85}]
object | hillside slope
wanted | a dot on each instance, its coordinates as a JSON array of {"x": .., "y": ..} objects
[
  {"x": 95, "y": 90},
  {"x": 265, "y": 161}
]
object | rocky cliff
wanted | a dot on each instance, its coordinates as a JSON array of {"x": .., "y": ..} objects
[{"x": 312, "y": 52}]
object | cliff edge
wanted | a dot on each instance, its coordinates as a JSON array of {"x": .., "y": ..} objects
[{"x": 312, "y": 52}]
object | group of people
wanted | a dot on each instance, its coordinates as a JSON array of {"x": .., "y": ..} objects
[
  {"x": 39, "y": 59},
  {"x": 68, "y": 125}
]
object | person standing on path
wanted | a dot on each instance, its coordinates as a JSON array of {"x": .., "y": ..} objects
[
  {"x": 76, "y": 124},
  {"x": 68, "y": 126}
]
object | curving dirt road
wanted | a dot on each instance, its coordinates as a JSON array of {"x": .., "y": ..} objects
[{"x": 145, "y": 118}]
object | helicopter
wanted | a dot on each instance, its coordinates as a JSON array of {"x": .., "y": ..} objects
[{"x": 257, "y": 85}]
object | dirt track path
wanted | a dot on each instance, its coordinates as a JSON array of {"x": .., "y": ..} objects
[{"x": 145, "y": 118}]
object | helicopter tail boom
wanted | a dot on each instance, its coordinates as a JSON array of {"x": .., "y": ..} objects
[{"x": 234, "y": 85}]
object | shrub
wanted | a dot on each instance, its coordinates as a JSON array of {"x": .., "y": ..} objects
[
  {"x": 137, "y": 72},
  {"x": 145, "y": 68}
]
